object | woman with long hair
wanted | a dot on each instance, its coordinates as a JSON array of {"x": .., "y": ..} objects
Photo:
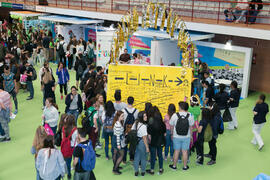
[
  {"x": 222, "y": 98},
  {"x": 48, "y": 85},
  {"x": 50, "y": 114},
  {"x": 169, "y": 131},
  {"x": 69, "y": 130},
  {"x": 50, "y": 162},
  {"x": 118, "y": 141},
  {"x": 156, "y": 130},
  {"x": 107, "y": 120},
  {"x": 63, "y": 78},
  {"x": 142, "y": 147},
  {"x": 38, "y": 142}
]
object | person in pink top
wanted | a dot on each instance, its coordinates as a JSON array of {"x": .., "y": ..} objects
[
  {"x": 169, "y": 133},
  {"x": 5, "y": 112}
]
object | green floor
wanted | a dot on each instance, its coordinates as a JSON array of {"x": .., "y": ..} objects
[{"x": 237, "y": 158}]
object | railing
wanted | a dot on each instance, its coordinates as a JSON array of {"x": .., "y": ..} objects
[{"x": 193, "y": 10}]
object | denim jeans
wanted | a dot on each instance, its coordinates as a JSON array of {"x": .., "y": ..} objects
[
  {"x": 30, "y": 88},
  {"x": 140, "y": 157},
  {"x": 81, "y": 176},
  {"x": 107, "y": 136},
  {"x": 68, "y": 163},
  {"x": 14, "y": 96},
  {"x": 2, "y": 132},
  {"x": 75, "y": 113},
  {"x": 156, "y": 151},
  {"x": 169, "y": 144},
  {"x": 197, "y": 87}
]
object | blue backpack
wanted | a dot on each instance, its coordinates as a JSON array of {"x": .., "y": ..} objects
[
  {"x": 108, "y": 122},
  {"x": 89, "y": 158}
]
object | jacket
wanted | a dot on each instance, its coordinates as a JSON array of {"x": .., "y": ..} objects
[
  {"x": 157, "y": 130},
  {"x": 222, "y": 100},
  {"x": 63, "y": 76},
  {"x": 68, "y": 102}
]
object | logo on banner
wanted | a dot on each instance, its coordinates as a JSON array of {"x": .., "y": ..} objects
[{"x": 92, "y": 34}]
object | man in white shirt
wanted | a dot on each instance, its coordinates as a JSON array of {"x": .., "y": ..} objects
[{"x": 181, "y": 141}]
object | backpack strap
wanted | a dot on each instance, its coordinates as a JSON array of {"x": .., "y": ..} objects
[
  {"x": 134, "y": 111},
  {"x": 178, "y": 115}
]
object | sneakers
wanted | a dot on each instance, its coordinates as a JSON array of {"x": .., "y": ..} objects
[
  {"x": 261, "y": 147},
  {"x": 212, "y": 162},
  {"x": 228, "y": 20},
  {"x": 161, "y": 171},
  {"x": 185, "y": 168},
  {"x": 98, "y": 147},
  {"x": 149, "y": 171},
  {"x": 16, "y": 111},
  {"x": 143, "y": 173},
  {"x": 120, "y": 168},
  {"x": 98, "y": 155},
  {"x": 117, "y": 172},
  {"x": 173, "y": 167},
  {"x": 29, "y": 98},
  {"x": 208, "y": 156},
  {"x": 136, "y": 174},
  {"x": 6, "y": 139},
  {"x": 200, "y": 163}
]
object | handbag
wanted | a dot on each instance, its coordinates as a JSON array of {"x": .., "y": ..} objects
[
  {"x": 48, "y": 130},
  {"x": 227, "y": 116}
]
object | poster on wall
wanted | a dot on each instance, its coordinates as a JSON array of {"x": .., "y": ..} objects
[
  {"x": 159, "y": 85},
  {"x": 90, "y": 33},
  {"x": 103, "y": 47},
  {"x": 68, "y": 30},
  {"x": 140, "y": 45},
  {"x": 225, "y": 64}
]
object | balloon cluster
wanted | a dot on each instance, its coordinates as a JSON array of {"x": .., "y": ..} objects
[{"x": 154, "y": 15}]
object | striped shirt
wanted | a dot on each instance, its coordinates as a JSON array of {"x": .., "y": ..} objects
[
  {"x": 5, "y": 99},
  {"x": 118, "y": 131}
]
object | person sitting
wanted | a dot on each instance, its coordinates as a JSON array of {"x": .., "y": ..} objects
[
  {"x": 255, "y": 7},
  {"x": 240, "y": 8},
  {"x": 125, "y": 58}
]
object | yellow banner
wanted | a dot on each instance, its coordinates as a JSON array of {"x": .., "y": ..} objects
[{"x": 160, "y": 85}]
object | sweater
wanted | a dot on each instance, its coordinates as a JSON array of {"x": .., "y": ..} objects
[
  {"x": 68, "y": 102},
  {"x": 51, "y": 116},
  {"x": 118, "y": 131},
  {"x": 63, "y": 76},
  {"x": 50, "y": 167}
]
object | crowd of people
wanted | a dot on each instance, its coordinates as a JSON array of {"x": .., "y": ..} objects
[{"x": 74, "y": 135}]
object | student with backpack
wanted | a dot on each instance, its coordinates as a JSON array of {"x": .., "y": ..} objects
[
  {"x": 107, "y": 120},
  {"x": 118, "y": 142},
  {"x": 195, "y": 110},
  {"x": 130, "y": 114},
  {"x": 61, "y": 49},
  {"x": 63, "y": 78},
  {"x": 80, "y": 67},
  {"x": 140, "y": 127},
  {"x": 217, "y": 127},
  {"x": 182, "y": 122},
  {"x": 206, "y": 119},
  {"x": 169, "y": 132},
  {"x": 233, "y": 105},
  {"x": 50, "y": 162},
  {"x": 84, "y": 158},
  {"x": 260, "y": 111},
  {"x": 69, "y": 135},
  {"x": 91, "y": 125},
  {"x": 156, "y": 132}
]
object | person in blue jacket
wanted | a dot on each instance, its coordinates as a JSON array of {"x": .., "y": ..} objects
[{"x": 63, "y": 78}]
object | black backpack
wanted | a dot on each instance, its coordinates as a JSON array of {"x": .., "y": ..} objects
[
  {"x": 61, "y": 49},
  {"x": 182, "y": 125},
  {"x": 86, "y": 124},
  {"x": 129, "y": 120}
]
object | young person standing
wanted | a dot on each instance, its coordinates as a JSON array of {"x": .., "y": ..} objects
[
  {"x": 10, "y": 85},
  {"x": 182, "y": 122},
  {"x": 260, "y": 111},
  {"x": 142, "y": 147},
  {"x": 233, "y": 104},
  {"x": 63, "y": 78},
  {"x": 74, "y": 103}
]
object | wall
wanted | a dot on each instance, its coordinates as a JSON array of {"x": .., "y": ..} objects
[
  {"x": 167, "y": 49},
  {"x": 260, "y": 72}
]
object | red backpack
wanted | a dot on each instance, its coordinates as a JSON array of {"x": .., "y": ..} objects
[{"x": 66, "y": 148}]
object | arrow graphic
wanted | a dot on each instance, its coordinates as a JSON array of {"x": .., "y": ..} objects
[{"x": 179, "y": 81}]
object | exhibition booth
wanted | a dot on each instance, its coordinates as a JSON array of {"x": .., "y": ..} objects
[{"x": 226, "y": 62}]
